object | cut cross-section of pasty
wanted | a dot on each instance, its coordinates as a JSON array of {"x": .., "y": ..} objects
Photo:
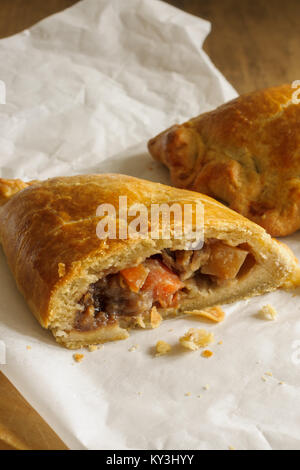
[
  {"x": 88, "y": 290},
  {"x": 245, "y": 153}
]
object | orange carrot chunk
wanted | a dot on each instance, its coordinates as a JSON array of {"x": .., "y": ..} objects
[
  {"x": 135, "y": 277},
  {"x": 162, "y": 283}
]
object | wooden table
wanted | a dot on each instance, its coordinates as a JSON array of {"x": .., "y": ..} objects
[
  {"x": 21, "y": 427},
  {"x": 255, "y": 43}
]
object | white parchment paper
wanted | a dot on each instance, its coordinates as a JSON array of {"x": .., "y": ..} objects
[{"x": 86, "y": 88}]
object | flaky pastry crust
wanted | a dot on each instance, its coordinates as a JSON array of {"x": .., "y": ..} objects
[
  {"x": 245, "y": 153},
  {"x": 48, "y": 234}
]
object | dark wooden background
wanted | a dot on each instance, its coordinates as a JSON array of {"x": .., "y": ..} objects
[{"x": 255, "y": 43}]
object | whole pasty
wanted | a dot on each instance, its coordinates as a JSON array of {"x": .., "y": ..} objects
[
  {"x": 245, "y": 153},
  {"x": 88, "y": 290}
]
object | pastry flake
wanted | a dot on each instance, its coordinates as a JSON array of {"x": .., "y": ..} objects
[
  {"x": 162, "y": 348},
  {"x": 215, "y": 314},
  {"x": 195, "y": 339},
  {"x": 207, "y": 353},
  {"x": 268, "y": 312},
  {"x": 78, "y": 357},
  {"x": 155, "y": 318}
]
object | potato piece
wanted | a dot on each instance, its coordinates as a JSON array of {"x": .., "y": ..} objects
[{"x": 225, "y": 261}]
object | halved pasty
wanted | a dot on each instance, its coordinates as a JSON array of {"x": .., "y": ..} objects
[
  {"x": 88, "y": 290},
  {"x": 245, "y": 153}
]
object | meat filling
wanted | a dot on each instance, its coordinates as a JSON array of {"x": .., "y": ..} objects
[{"x": 159, "y": 281}]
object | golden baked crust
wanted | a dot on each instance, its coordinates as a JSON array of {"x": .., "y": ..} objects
[
  {"x": 48, "y": 233},
  {"x": 245, "y": 153},
  {"x": 9, "y": 187}
]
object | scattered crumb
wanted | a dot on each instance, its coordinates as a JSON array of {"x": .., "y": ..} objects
[
  {"x": 231, "y": 448},
  {"x": 269, "y": 374},
  {"x": 207, "y": 353},
  {"x": 61, "y": 269},
  {"x": 268, "y": 312},
  {"x": 196, "y": 338},
  {"x": 206, "y": 387},
  {"x": 263, "y": 379},
  {"x": 198, "y": 396},
  {"x": 188, "y": 394},
  {"x": 212, "y": 313},
  {"x": 139, "y": 393},
  {"x": 92, "y": 347},
  {"x": 162, "y": 348},
  {"x": 281, "y": 383},
  {"x": 133, "y": 348},
  {"x": 78, "y": 357},
  {"x": 28, "y": 347},
  {"x": 220, "y": 342},
  {"x": 170, "y": 330}
]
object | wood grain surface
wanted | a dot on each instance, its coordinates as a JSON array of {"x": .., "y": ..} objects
[
  {"x": 16, "y": 15},
  {"x": 254, "y": 43},
  {"x": 21, "y": 427}
]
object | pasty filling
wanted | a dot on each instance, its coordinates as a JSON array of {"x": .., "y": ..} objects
[{"x": 161, "y": 281}]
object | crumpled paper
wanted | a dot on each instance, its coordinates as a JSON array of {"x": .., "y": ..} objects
[{"x": 86, "y": 89}]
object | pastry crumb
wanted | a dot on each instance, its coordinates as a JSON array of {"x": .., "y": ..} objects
[
  {"x": 187, "y": 394},
  {"x": 92, "y": 347},
  {"x": 133, "y": 348},
  {"x": 78, "y": 357},
  {"x": 206, "y": 387},
  {"x": 198, "y": 396},
  {"x": 263, "y": 378},
  {"x": 268, "y": 312},
  {"x": 231, "y": 448},
  {"x": 220, "y": 342},
  {"x": 155, "y": 318},
  {"x": 207, "y": 353},
  {"x": 196, "y": 338},
  {"x": 281, "y": 382},
  {"x": 151, "y": 320},
  {"x": 61, "y": 269},
  {"x": 140, "y": 321},
  {"x": 162, "y": 348},
  {"x": 28, "y": 347},
  {"x": 269, "y": 374},
  {"x": 215, "y": 314}
]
